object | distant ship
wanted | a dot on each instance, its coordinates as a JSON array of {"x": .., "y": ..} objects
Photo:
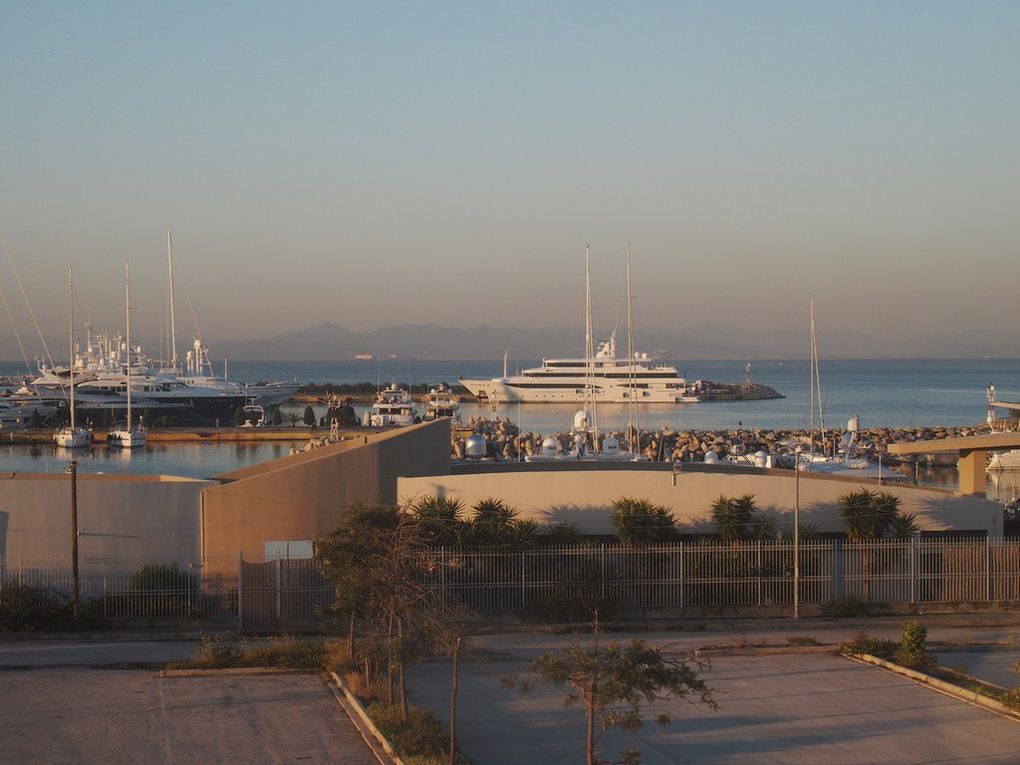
[{"x": 364, "y": 357}]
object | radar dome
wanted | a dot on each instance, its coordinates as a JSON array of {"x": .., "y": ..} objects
[
  {"x": 550, "y": 447},
  {"x": 761, "y": 459},
  {"x": 610, "y": 446},
  {"x": 581, "y": 420},
  {"x": 711, "y": 458},
  {"x": 475, "y": 446}
]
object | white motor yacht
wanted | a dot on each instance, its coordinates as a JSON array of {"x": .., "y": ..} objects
[
  {"x": 442, "y": 402},
  {"x": 393, "y": 406},
  {"x": 1009, "y": 460}
]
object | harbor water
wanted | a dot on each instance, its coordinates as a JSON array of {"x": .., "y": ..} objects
[{"x": 883, "y": 392}]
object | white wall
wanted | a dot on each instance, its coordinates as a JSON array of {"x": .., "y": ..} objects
[{"x": 581, "y": 495}]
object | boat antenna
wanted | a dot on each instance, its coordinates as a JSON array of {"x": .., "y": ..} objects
[
  {"x": 28, "y": 302},
  {"x": 170, "y": 276},
  {"x": 203, "y": 359}
]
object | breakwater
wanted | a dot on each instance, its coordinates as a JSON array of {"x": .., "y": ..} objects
[{"x": 505, "y": 441}]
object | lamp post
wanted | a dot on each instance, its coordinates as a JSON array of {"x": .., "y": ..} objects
[
  {"x": 796, "y": 534},
  {"x": 72, "y": 471}
]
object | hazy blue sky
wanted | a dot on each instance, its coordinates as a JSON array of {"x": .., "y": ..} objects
[{"x": 446, "y": 162}]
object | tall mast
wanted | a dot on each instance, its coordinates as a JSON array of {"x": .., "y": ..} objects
[
  {"x": 632, "y": 413},
  {"x": 818, "y": 385},
  {"x": 589, "y": 349},
  {"x": 127, "y": 328},
  {"x": 811, "y": 379},
  {"x": 173, "y": 328},
  {"x": 70, "y": 338}
]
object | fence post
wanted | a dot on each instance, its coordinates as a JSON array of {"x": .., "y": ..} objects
[
  {"x": 279, "y": 587},
  {"x": 240, "y": 590},
  {"x": 913, "y": 569},
  {"x": 523, "y": 593},
  {"x": 988, "y": 568},
  {"x": 683, "y": 579},
  {"x": 20, "y": 574},
  {"x": 602, "y": 570},
  {"x": 837, "y": 569},
  {"x": 758, "y": 571}
]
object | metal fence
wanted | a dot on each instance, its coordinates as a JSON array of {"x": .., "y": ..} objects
[
  {"x": 289, "y": 592},
  {"x": 743, "y": 574},
  {"x": 279, "y": 592}
]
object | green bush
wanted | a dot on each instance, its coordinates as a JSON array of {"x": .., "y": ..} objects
[
  {"x": 866, "y": 644},
  {"x": 1011, "y": 698},
  {"x": 420, "y": 740},
  {"x": 31, "y": 608},
  {"x": 845, "y": 607},
  {"x": 802, "y": 640},
  {"x": 222, "y": 651},
  {"x": 914, "y": 646}
]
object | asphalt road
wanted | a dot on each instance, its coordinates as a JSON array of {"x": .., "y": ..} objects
[{"x": 786, "y": 710}]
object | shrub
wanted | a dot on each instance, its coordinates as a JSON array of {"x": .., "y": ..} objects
[
  {"x": 802, "y": 640},
  {"x": 866, "y": 644},
  {"x": 1011, "y": 699},
  {"x": 914, "y": 646},
  {"x": 31, "y": 608},
  {"x": 221, "y": 651},
  {"x": 845, "y": 607},
  {"x": 640, "y": 522},
  {"x": 420, "y": 739},
  {"x": 309, "y": 416}
]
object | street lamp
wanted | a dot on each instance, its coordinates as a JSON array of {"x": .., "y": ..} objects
[{"x": 796, "y": 533}]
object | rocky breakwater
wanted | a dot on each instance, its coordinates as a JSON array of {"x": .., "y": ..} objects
[{"x": 506, "y": 442}]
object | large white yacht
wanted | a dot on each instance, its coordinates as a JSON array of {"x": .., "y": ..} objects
[
  {"x": 616, "y": 381},
  {"x": 393, "y": 406}
]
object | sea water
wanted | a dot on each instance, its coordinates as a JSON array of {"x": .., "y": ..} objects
[{"x": 883, "y": 392}]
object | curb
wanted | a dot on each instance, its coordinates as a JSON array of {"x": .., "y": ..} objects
[
  {"x": 235, "y": 672},
  {"x": 972, "y": 697},
  {"x": 364, "y": 722},
  {"x": 776, "y": 650}
]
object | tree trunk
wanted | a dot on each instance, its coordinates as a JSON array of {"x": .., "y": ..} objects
[
  {"x": 590, "y": 743},
  {"x": 389, "y": 659},
  {"x": 350, "y": 638},
  {"x": 400, "y": 672},
  {"x": 453, "y": 701}
]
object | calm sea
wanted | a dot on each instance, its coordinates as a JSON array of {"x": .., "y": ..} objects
[{"x": 883, "y": 392}]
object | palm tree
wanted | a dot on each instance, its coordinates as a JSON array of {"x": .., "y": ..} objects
[
  {"x": 562, "y": 534},
  {"x": 440, "y": 518},
  {"x": 640, "y": 522},
  {"x": 869, "y": 516},
  {"x": 737, "y": 519}
]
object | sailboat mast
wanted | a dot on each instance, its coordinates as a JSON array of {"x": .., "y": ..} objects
[
  {"x": 70, "y": 338},
  {"x": 127, "y": 329},
  {"x": 811, "y": 379},
  {"x": 173, "y": 327},
  {"x": 589, "y": 349},
  {"x": 818, "y": 388},
  {"x": 632, "y": 413}
]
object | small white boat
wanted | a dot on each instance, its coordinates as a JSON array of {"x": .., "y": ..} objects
[
  {"x": 1005, "y": 460},
  {"x": 71, "y": 436},
  {"x": 127, "y": 437},
  {"x": 393, "y": 407}
]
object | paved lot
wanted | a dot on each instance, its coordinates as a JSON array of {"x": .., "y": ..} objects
[
  {"x": 995, "y": 665},
  {"x": 85, "y": 716},
  {"x": 787, "y": 709}
]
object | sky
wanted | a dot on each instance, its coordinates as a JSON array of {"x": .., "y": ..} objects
[{"x": 446, "y": 163}]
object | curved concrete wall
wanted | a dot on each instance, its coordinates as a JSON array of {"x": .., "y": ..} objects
[{"x": 582, "y": 494}]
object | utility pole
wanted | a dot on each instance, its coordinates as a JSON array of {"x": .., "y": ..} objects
[{"x": 72, "y": 471}]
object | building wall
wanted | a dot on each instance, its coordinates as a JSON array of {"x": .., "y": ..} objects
[
  {"x": 127, "y": 517},
  {"x": 583, "y": 493},
  {"x": 302, "y": 496}
]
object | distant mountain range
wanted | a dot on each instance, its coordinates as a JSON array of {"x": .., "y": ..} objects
[{"x": 331, "y": 342}]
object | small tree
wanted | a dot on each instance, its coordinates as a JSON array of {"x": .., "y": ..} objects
[
  {"x": 35, "y": 420},
  {"x": 440, "y": 518},
  {"x": 239, "y": 417},
  {"x": 277, "y": 418},
  {"x": 293, "y": 418},
  {"x": 640, "y": 522},
  {"x": 309, "y": 416},
  {"x": 869, "y": 516},
  {"x": 613, "y": 683},
  {"x": 914, "y": 645},
  {"x": 148, "y": 418}
]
